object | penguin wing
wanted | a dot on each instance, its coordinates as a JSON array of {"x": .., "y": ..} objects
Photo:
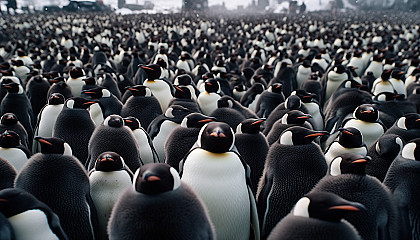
[
  {"x": 400, "y": 196},
  {"x": 255, "y": 225},
  {"x": 24, "y": 149},
  {"x": 152, "y": 147},
  {"x": 154, "y": 126},
  {"x": 171, "y": 86},
  {"x": 263, "y": 198},
  {"x": 93, "y": 215}
]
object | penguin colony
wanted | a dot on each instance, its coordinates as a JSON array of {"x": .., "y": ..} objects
[{"x": 188, "y": 127}]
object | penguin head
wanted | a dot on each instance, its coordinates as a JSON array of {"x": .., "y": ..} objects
[
  {"x": 409, "y": 121},
  {"x": 350, "y": 137},
  {"x": 13, "y": 87},
  {"x": 226, "y": 101},
  {"x": 132, "y": 122},
  {"x": 350, "y": 83},
  {"x": 196, "y": 120},
  {"x": 90, "y": 81},
  {"x": 108, "y": 162},
  {"x": 79, "y": 102},
  {"x": 389, "y": 146},
  {"x": 304, "y": 96},
  {"x": 94, "y": 93},
  {"x": 276, "y": 88},
  {"x": 77, "y": 72},
  {"x": 176, "y": 113},
  {"x": 182, "y": 92},
  {"x": 412, "y": 150},
  {"x": 207, "y": 75},
  {"x": 53, "y": 145},
  {"x": 386, "y": 74},
  {"x": 298, "y": 135},
  {"x": 56, "y": 99},
  {"x": 339, "y": 69},
  {"x": 326, "y": 206},
  {"x": 295, "y": 117},
  {"x": 349, "y": 163},
  {"x": 388, "y": 96},
  {"x": 293, "y": 102},
  {"x": 183, "y": 80},
  {"x": 397, "y": 74},
  {"x": 216, "y": 137},
  {"x": 211, "y": 85},
  {"x": 114, "y": 121},
  {"x": 9, "y": 139},
  {"x": 14, "y": 201},
  {"x": 156, "y": 178},
  {"x": 153, "y": 71},
  {"x": 140, "y": 90},
  {"x": 250, "y": 126},
  {"x": 18, "y": 63},
  {"x": 8, "y": 119},
  {"x": 366, "y": 112}
]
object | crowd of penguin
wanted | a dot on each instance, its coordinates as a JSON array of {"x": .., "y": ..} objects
[{"x": 208, "y": 127}]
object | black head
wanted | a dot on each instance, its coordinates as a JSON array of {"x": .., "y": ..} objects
[
  {"x": 183, "y": 80},
  {"x": 53, "y": 145},
  {"x": 211, "y": 85},
  {"x": 11, "y": 87},
  {"x": 339, "y": 69},
  {"x": 77, "y": 72},
  {"x": 298, "y": 135},
  {"x": 56, "y": 99},
  {"x": 176, "y": 113},
  {"x": 397, "y": 74},
  {"x": 304, "y": 96},
  {"x": 216, "y": 137},
  {"x": 153, "y": 71},
  {"x": 9, "y": 119},
  {"x": 114, "y": 121},
  {"x": 349, "y": 163},
  {"x": 409, "y": 121},
  {"x": 350, "y": 83},
  {"x": 108, "y": 162},
  {"x": 293, "y": 102},
  {"x": 366, "y": 112},
  {"x": 132, "y": 122},
  {"x": 412, "y": 150},
  {"x": 79, "y": 102},
  {"x": 182, "y": 92},
  {"x": 14, "y": 201},
  {"x": 156, "y": 178},
  {"x": 226, "y": 101},
  {"x": 388, "y": 96},
  {"x": 277, "y": 88},
  {"x": 389, "y": 146},
  {"x": 386, "y": 74},
  {"x": 251, "y": 126},
  {"x": 295, "y": 117},
  {"x": 207, "y": 75},
  {"x": 325, "y": 206},
  {"x": 350, "y": 137},
  {"x": 196, "y": 120},
  {"x": 94, "y": 93},
  {"x": 9, "y": 139},
  {"x": 140, "y": 90}
]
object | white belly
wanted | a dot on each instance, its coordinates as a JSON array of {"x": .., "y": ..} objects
[
  {"x": 146, "y": 154},
  {"x": 208, "y": 102},
  {"x": 159, "y": 141},
  {"x": 48, "y": 119},
  {"x": 370, "y": 131},
  {"x": 31, "y": 225},
  {"x": 14, "y": 156},
  {"x": 336, "y": 150}
]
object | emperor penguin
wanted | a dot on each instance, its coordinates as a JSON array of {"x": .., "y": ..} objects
[
  {"x": 207, "y": 100},
  {"x": 108, "y": 181},
  {"x": 147, "y": 151},
  {"x": 58, "y": 179},
  {"x": 160, "y": 88},
  {"x": 159, "y": 206},
  {"x": 30, "y": 218},
  {"x": 207, "y": 168},
  {"x": 347, "y": 178},
  {"x": 318, "y": 216},
  {"x": 9, "y": 121},
  {"x": 75, "y": 81},
  {"x": 12, "y": 150},
  {"x": 293, "y": 162}
]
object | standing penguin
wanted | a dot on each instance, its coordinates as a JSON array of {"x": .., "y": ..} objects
[
  {"x": 147, "y": 151},
  {"x": 253, "y": 147},
  {"x": 112, "y": 135},
  {"x": 303, "y": 72},
  {"x": 60, "y": 87},
  {"x": 29, "y": 217},
  {"x": 207, "y": 100},
  {"x": 375, "y": 66},
  {"x": 308, "y": 100},
  {"x": 220, "y": 177},
  {"x": 347, "y": 178},
  {"x": 402, "y": 179},
  {"x": 12, "y": 150},
  {"x": 9, "y": 121},
  {"x": 75, "y": 81},
  {"x": 108, "y": 181},
  {"x": 160, "y": 88},
  {"x": 75, "y": 126},
  {"x": 141, "y": 105},
  {"x": 109, "y": 103},
  {"x": 293, "y": 162},
  {"x": 36, "y": 90},
  {"x": 318, "y": 216},
  {"x": 183, "y": 97},
  {"x": 333, "y": 79},
  {"x": 252, "y": 96},
  {"x": 159, "y": 206},
  {"x": 60, "y": 181},
  {"x": 269, "y": 100},
  {"x": 182, "y": 138},
  {"x": 162, "y": 126},
  {"x": 382, "y": 83}
]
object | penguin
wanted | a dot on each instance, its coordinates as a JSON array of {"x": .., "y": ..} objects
[
  {"x": 357, "y": 62},
  {"x": 402, "y": 180},
  {"x": 406, "y": 127},
  {"x": 47, "y": 117},
  {"x": 385, "y": 150},
  {"x": 375, "y": 66},
  {"x": 238, "y": 91},
  {"x": 383, "y": 83},
  {"x": 228, "y": 102},
  {"x": 333, "y": 79},
  {"x": 8, "y": 174},
  {"x": 36, "y": 90},
  {"x": 269, "y": 100},
  {"x": 289, "y": 119},
  {"x": 318, "y": 215},
  {"x": 162, "y": 126},
  {"x": 366, "y": 120},
  {"x": 252, "y": 96},
  {"x": 230, "y": 112},
  {"x": 75, "y": 81},
  {"x": 12, "y": 150},
  {"x": 112, "y": 135},
  {"x": 303, "y": 72},
  {"x": 313, "y": 108},
  {"x": 18, "y": 103},
  {"x": 185, "y": 80},
  {"x": 9, "y": 121},
  {"x": 109, "y": 82},
  {"x": 142, "y": 105},
  {"x": 108, "y": 181},
  {"x": 397, "y": 82},
  {"x": 160, "y": 206},
  {"x": 110, "y": 103},
  {"x": 286, "y": 76},
  {"x": 347, "y": 178},
  {"x": 293, "y": 162},
  {"x": 75, "y": 126},
  {"x": 350, "y": 140},
  {"x": 61, "y": 182},
  {"x": 183, "y": 97},
  {"x": 21, "y": 70},
  {"x": 30, "y": 218},
  {"x": 207, "y": 168},
  {"x": 60, "y": 87},
  {"x": 253, "y": 147},
  {"x": 313, "y": 85},
  {"x": 207, "y": 100},
  {"x": 147, "y": 151},
  {"x": 160, "y": 88}
]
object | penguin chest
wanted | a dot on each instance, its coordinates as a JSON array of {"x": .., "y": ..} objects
[
  {"x": 159, "y": 141},
  {"x": 336, "y": 149},
  {"x": 381, "y": 86},
  {"x": 375, "y": 68},
  {"x": 48, "y": 118},
  {"x": 208, "y": 102},
  {"x": 76, "y": 85},
  {"x": 219, "y": 179},
  {"x": 370, "y": 131},
  {"x": 399, "y": 86},
  {"x": 145, "y": 150},
  {"x": 95, "y": 112},
  {"x": 334, "y": 80},
  {"x": 32, "y": 224},
  {"x": 14, "y": 156},
  {"x": 161, "y": 91},
  {"x": 302, "y": 74}
]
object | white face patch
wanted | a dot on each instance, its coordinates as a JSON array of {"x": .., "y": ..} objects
[
  {"x": 230, "y": 103},
  {"x": 107, "y": 120},
  {"x": 136, "y": 175},
  {"x": 399, "y": 142},
  {"x": 408, "y": 151},
  {"x": 70, "y": 103},
  {"x": 301, "y": 207},
  {"x": 401, "y": 123},
  {"x": 335, "y": 167},
  {"x": 148, "y": 92},
  {"x": 286, "y": 138},
  {"x": 168, "y": 113},
  {"x": 378, "y": 148},
  {"x": 177, "y": 180},
  {"x": 184, "y": 122},
  {"x": 239, "y": 128},
  {"x": 284, "y": 118},
  {"x": 67, "y": 150},
  {"x": 106, "y": 93}
]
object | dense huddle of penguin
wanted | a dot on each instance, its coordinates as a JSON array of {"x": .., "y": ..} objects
[{"x": 209, "y": 127}]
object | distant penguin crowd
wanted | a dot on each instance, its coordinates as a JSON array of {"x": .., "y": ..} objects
[{"x": 186, "y": 126}]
